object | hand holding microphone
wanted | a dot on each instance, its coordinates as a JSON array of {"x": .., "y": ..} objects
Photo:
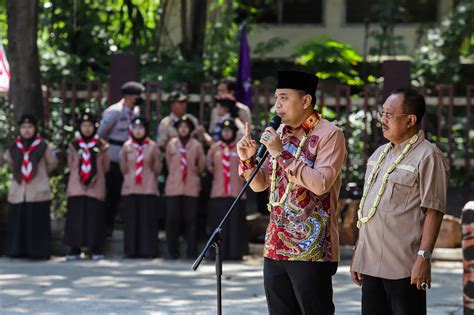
[{"x": 270, "y": 140}]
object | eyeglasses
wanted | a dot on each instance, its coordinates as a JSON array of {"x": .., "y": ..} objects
[{"x": 388, "y": 115}]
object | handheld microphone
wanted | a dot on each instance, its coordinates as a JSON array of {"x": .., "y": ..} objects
[{"x": 275, "y": 123}]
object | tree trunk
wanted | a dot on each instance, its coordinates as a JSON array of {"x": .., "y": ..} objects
[
  {"x": 198, "y": 20},
  {"x": 193, "y": 29},
  {"x": 161, "y": 24},
  {"x": 25, "y": 84}
]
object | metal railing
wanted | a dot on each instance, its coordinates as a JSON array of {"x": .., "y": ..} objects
[{"x": 335, "y": 103}]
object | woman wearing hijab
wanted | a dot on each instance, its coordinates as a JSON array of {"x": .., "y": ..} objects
[
  {"x": 223, "y": 164},
  {"x": 185, "y": 160},
  {"x": 140, "y": 165},
  {"x": 88, "y": 162},
  {"x": 31, "y": 160}
]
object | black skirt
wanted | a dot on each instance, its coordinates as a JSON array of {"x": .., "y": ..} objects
[
  {"x": 85, "y": 223},
  {"x": 234, "y": 233},
  {"x": 140, "y": 219},
  {"x": 29, "y": 230}
]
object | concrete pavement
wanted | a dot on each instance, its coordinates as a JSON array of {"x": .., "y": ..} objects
[{"x": 123, "y": 286}]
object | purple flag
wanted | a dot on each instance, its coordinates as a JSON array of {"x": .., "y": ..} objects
[{"x": 243, "y": 92}]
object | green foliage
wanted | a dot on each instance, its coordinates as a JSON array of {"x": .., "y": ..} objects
[
  {"x": 438, "y": 60},
  {"x": 58, "y": 186},
  {"x": 76, "y": 38},
  {"x": 222, "y": 40},
  {"x": 5, "y": 178},
  {"x": 387, "y": 14},
  {"x": 388, "y": 44},
  {"x": 330, "y": 60},
  {"x": 176, "y": 72}
]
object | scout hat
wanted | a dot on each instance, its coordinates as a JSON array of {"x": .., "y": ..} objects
[
  {"x": 87, "y": 115},
  {"x": 177, "y": 96},
  {"x": 185, "y": 119},
  {"x": 141, "y": 121},
  {"x": 28, "y": 118},
  {"x": 229, "y": 123}
]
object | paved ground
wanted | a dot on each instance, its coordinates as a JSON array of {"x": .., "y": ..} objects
[{"x": 163, "y": 287}]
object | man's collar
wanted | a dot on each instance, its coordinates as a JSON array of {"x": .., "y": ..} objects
[
  {"x": 307, "y": 125},
  {"x": 173, "y": 117},
  {"x": 401, "y": 146},
  {"x": 125, "y": 107}
]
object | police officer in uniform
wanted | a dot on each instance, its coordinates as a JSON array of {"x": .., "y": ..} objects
[{"x": 115, "y": 128}]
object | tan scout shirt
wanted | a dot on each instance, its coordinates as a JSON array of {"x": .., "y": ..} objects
[
  {"x": 215, "y": 166},
  {"x": 38, "y": 190},
  {"x": 96, "y": 189},
  {"x": 167, "y": 131},
  {"x": 151, "y": 169},
  {"x": 191, "y": 187},
  {"x": 389, "y": 242}
]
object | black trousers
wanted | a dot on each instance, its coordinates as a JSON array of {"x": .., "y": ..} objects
[
  {"x": 299, "y": 287},
  {"x": 113, "y": 183},
  {"x": 234, "y": 243},
  {"x": 181, "y": 211},
  {"x": 29, "y": 230},
  {"x": 85, "y": 224},
  {"x": 396, "y": 297},
  {"x": 140, "y": 224}
]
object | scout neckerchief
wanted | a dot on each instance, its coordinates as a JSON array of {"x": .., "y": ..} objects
[
  {"x": 26, "y": 164},
  {"x": 226, "y": 150},
  {"x": 183, "y": 158},
  {"x": 139, "y": 147},
  {"x": 85, "y": 170},
  {"x": 183, "y": 162}
]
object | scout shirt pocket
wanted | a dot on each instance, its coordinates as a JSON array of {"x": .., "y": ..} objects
[
  {"x": 131, "y": 158},
  {"x": 401, "y": 184}
]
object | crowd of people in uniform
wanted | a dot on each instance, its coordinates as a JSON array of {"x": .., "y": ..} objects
[{"x": 114, "y": 164}]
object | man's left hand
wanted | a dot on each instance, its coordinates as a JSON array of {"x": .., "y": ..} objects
[
  {"x": 272, "y": 141},
  {"x": 421, "y": 272}
]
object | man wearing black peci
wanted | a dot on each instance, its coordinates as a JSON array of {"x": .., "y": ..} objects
[{"x": 304, "y": 175}]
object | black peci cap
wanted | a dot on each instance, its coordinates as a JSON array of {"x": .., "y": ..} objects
[{"x": 297, "y": 80}]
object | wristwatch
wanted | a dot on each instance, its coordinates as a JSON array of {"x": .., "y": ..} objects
[{"x": 425, "y": 254}]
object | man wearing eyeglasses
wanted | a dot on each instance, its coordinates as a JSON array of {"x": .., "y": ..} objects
[{"x": 400, "y": 213}]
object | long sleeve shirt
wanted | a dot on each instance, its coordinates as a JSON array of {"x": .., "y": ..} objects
[{"x": 304, "y": 227}]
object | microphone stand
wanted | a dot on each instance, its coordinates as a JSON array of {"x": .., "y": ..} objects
[{"x": 215, "y": 238}]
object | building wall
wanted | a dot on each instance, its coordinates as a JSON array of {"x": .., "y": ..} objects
[{"x": 334, "y": 25}]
